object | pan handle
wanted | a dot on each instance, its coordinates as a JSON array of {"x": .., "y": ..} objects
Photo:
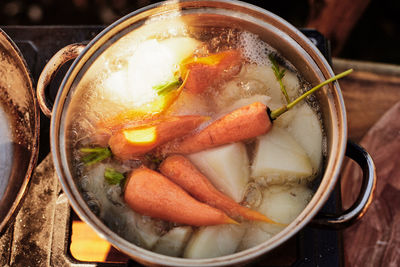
[
  {"x": 65, "y": 54},
  {"x": 364, "y": 199}
]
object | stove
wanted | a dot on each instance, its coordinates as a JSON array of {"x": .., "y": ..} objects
[{"x": 41, "y": 234}]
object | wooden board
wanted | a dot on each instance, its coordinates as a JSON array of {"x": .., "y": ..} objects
[
  {"x": 375, "y": 240},
  {"x": 368, "y": 93}
]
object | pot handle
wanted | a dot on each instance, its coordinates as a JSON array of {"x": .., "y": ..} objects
[
  {"x": 364, "y": 199},
  {"x": 65, "y": 54}
]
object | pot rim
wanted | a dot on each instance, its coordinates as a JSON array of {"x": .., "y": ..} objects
[
  {"x": 146, "y": 256},
  {"x": 35, "y": 135}
]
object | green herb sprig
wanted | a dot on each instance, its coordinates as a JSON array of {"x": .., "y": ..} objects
[
  {"x": 113, "y": 177},
  {"x": 166, "y": 87},
  {"x": 279, "y": 74},
  {"x": 95, "y": 154},
  {"x": 279, "y": 111}
]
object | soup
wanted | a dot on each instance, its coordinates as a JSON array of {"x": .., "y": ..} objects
[{"x": 140, "y": 106}]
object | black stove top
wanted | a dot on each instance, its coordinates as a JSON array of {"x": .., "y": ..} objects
[{"x": 311, "y": 247}]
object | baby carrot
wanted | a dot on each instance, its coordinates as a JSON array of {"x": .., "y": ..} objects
[
  {"x": 128, "y": 119},
  {"x": 150, "y": 193},
  {"x": 133, "y": 142},
  {"x": 137, "y": 117},
  {"x": 182, "y": 172},
  {"x": 244, "y": 123}
]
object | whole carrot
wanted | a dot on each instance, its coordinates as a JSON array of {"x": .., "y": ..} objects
[
  {"x": 244, "y": 123},
  {"x": 125, "y": 120},
  {"x": 136, "y": 141},
  {"x": 182, "y": 172},
  {"x": 150, "y": 193},
  {"x": 147, "y": 114}
]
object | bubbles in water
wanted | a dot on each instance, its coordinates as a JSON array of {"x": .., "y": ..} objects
[
  {"x": 95, "y": 105},
  {"x": 252, "y": 195},
  {"x": 114, "y": 194},
  {"x": 254, "y": 50},
  {"x": 93, "y": 203}
]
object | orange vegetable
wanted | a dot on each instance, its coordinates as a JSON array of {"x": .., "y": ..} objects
[
  {"x": 127, "y": 119},
  {"x": 136, "y": 141},
  {"x": 136, "y": 117},
  {"x": 182, "y": 172},
  {"x": 150, "y": 193},
  {"x": 206, "y": 71},
  {"x": 244, "y": 123}
]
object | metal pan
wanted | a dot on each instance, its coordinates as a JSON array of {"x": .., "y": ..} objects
[
  {"x": 19, "y": 129},
  {"x": 293, "y": 45}
]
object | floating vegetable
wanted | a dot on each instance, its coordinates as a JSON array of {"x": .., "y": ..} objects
[
  {"x": 278, "y": 158},
  {"x": 174, "y": 242},
  {"x": 133, "y": 142},
  {"x": 226, "y": 167},
  {"x": 168, "y": 92},
  {"x": 279, "y": 73},
  {"x": 206, "y": 71},
  {"x": 182, "y": 172},
  {"x": 113, "y": 177},
  {"x": 95, "y": 154},
  {"x": 214, "y": 241},
  {"x": 244, "y": 123},
  {"x": 150, "y": 193},
  {"x": 165, "y": 88}
]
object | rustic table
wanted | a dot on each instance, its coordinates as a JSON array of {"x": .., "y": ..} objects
[{"x": 372, "y": 98}]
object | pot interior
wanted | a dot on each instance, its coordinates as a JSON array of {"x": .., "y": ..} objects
[{"x": 124, "y": 36}]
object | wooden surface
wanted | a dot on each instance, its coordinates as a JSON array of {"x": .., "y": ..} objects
[
  {"x": 370, "y": 91},
  {"x": 375, "y": 240},
  {"x": 372, "y": 98}
]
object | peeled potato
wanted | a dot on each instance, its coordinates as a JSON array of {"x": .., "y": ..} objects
[
  {"x": 258, "y": 233},
  {"x": 182, "y": 47},
  {"x": 278, "y": 158},
  {"x": 266, "y": 76},
  {"x": 291, "y": 83},
  {"x": 227, "y": 168},
  {"x": 214, "y": 241},
  {"x": 306, "y": 129},
  {"x": 303, "y": 124},
  {"x": 173, "y": 242},
  {"x": 138, "y": 229},
  {"x": 284, "y": 203},
  {"x": 280, "y": 203},
  {"x": 237, "y": 89},
  {"x": 286, "y": 118},
  {"x": 189, "y": 104},
  {"x": 254, "y": 236},
  {"x": 152, "y": 63}
]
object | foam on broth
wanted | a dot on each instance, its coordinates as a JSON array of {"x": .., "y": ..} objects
[{"x": 118, "y": 83}]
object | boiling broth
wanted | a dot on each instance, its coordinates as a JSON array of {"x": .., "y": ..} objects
[{"x": 272, "y": 181}]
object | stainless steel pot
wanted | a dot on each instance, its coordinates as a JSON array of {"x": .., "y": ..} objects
[
  {"x": 19, "y": 129},
  {"x": 289, "y": 41}
]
